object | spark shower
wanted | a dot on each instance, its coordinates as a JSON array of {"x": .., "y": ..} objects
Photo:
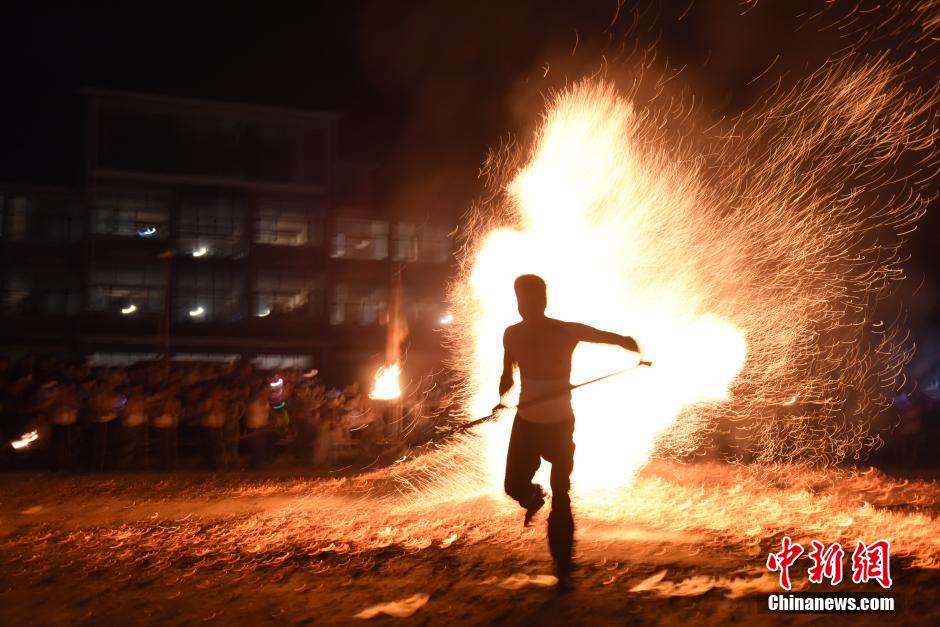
[{"x": 749, "y": 259}]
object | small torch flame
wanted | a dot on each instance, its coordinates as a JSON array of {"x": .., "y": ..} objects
[
  {"x": 25, "y": 440},
  {"x": 386, "y": 383}
]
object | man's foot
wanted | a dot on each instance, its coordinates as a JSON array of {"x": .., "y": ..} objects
[
  {"x": 565, "y": 582},
  {"x": 538, "y": 500}
]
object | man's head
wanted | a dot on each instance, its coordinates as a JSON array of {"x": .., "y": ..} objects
[{"x": 532, "y": 295}]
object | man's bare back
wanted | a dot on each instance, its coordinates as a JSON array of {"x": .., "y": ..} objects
[{"x": 542, "y": 348}]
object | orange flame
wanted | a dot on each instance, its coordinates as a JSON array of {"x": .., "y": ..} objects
[
  {"x": 25, "y": 440},
  {"x": 386, "y": 383},
  {"x": 588, "y": 192}
]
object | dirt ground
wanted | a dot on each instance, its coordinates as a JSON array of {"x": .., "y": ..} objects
[{"x": 191, "y": 549}]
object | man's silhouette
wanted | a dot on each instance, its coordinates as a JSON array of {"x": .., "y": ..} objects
[{"x": 542, "y": 347}]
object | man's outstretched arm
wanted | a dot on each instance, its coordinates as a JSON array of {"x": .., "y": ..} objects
[{"x": 585, "y": 333}]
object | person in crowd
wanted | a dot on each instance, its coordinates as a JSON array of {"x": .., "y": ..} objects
[
  {"x": 212, "y": 421},
  {"x": 258, "y": 428},
  {"x": 106, "y": 404},
  {"x": 172, "y": 409},
  {"x": 279, "y": 391},
  {"x": 234, "y": 417},
  {"x": 314, "y": 419},
  {"x": 165, "y": 429},
  {"x": 298, "y": 408},
  {"x": 64, "y": 419},
  {"x": 15, "y": 404},
  {"x": 325, "y": 453},
  {"x": 134, "y": 430},
  {"x": 40, "y": 409}
]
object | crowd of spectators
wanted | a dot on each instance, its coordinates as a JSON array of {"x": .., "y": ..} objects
[{"x": 161, "y": 415}]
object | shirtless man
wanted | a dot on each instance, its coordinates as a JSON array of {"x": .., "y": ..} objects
[{"x": 542, "y": 347}]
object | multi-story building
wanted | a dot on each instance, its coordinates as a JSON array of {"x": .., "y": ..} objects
[{"x": 211, "y": 230}]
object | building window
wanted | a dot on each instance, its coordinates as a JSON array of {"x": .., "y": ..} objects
[
  {"x": 119, "y": 359},
  {"x": 133, "y": 290},
  {"x": 288, "y": 224},
  {"x": 433, "y": 243},
  {"x": 354, "y": 303},
  {"x": 41, "y": 293},
  {"x": 360, "y": 239},
  {"x": 282, "y": 362},
  {"x": 42, "y": 218},
  {"x": 213, "y": 145},
  {"x": 211, "y": 226},
  {"x": 209, "y": 295},
  {"x": 284, "y": 293},
  {"x": 405, "y": 242},
  {"x": 424, "y": 309},
  {"x": 127, "y": 214},
  {"x": 15, "y": 294},
  {"x": 224, "y": 358},
  {"x": 424, "y": 242}
]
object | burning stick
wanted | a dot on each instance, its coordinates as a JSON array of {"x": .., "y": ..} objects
[{"x": 469, "y": 425}]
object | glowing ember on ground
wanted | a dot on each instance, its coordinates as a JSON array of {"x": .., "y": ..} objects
[
  {"x": 211, "y": 544},
  {"x": 386, "y": 383},
  {"x": 232, "y": 528}
]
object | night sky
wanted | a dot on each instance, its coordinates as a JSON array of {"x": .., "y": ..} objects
[{"x": 426, "y": 87}]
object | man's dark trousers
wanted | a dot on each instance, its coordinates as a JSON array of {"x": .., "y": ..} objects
[{"x": 529, "y": 443}]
